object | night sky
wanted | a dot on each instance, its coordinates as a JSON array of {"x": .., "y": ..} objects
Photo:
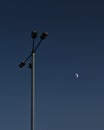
[{"x": 75, "y": 44}]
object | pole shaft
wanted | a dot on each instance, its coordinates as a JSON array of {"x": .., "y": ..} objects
[{"x": 33, "y": 92}]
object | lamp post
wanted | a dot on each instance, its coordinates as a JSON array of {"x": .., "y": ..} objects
[{"x": 32, "y": 67}]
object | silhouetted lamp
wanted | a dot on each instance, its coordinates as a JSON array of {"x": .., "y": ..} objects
[
  {"x": 44, "y": 35},
  {"x": 34, "y": 34},
  {"x": 22, "y": 64}
]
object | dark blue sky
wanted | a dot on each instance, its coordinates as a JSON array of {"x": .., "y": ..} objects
[{"x": 75, "y": 44}]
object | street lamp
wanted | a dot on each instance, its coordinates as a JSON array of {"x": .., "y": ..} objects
[{"x": 32, "y": 67}]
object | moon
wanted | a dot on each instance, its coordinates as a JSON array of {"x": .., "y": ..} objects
[{"x": 77, "y": 75}]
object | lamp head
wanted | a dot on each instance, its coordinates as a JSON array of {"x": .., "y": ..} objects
[
  {"x": 22, "y": 64},
  {"x": 34, "y": 34},
  {"x": 43, "y": 35}
]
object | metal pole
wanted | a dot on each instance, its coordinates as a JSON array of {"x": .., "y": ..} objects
[{"x": 33, "y": 90}]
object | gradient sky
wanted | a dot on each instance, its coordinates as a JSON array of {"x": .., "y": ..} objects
[{"x": 75, "y": 44}]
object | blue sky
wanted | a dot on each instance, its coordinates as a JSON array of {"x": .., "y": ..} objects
[{"x": 75, "y": 44}]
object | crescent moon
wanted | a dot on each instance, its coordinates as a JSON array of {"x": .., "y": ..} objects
[{"x": 77, "y": 75}]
